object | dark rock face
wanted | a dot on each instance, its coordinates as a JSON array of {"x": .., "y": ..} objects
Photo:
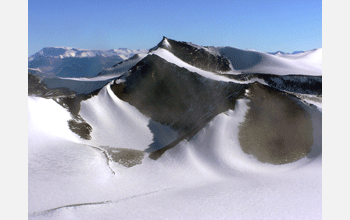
[
  {"x": 125, "y": 157},
  {"x": 37, "y": 88},
  {"x": 311, "y": 85},
  {"x": 196, "y": 56},
  {"x": 77, "y": 124},
  {"x": 277, "y": 128},
  {"x": 176, "y": 97},
  {"x": 66, "y": 99},
  {"x": 300, "y": 84},
  {"x": 80, "y": 127}
]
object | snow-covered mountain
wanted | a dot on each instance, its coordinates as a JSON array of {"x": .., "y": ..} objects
[
  {"x": 73, "y": 62},
  {"x": 281, "y": 52},
  {"x": 182, "y": 132}
]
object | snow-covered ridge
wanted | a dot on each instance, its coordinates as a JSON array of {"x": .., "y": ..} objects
[
  {"x": 231, "y": 60},
  {"x": 171, "y": 58},
  {"x": 64, "y": 52}
]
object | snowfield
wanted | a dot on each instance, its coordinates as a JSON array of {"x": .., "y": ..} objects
[
  {"x": 250, "y": 61},
  {"x": 191, "y": 178},
  {"x": 209, "y": 176}
]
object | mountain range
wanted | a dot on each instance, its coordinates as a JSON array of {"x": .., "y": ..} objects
[
  {"x": 73, "y": 62},
  {"x": 180, "y": 131}
]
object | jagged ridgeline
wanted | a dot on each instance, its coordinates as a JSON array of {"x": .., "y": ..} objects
[
  {"x": 196, "y": 56},
  {"x": 311, "y": 85}
]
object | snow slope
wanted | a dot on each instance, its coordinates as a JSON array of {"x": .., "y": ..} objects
[
  {"x": 250, "y": 61},
  {"x": 188, "y": 179},
  {"x": 117, "y": 124}
]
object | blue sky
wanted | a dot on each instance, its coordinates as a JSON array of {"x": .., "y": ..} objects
[{"x": 264, "y": 25}]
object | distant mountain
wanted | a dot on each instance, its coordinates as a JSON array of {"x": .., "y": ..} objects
[
  {"x": 73, "y": 62},
  {"x": 298, "y": 51},
  {"x": 283, "y": 53}
]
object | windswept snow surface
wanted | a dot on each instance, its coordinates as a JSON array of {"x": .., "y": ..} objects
[
  {"x": 116, "y": 123},
  {"x": 208, "y": 177},
  {"x": 251, "y": 61}
]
